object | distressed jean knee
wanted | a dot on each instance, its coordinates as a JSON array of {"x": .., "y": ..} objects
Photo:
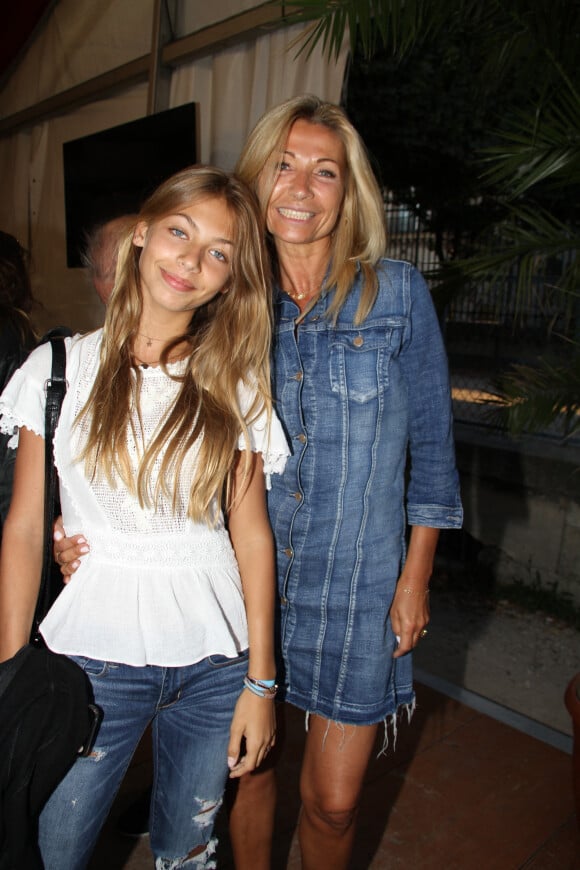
[
  {"x": 198, "y": 857},
  {"x": 202, "y": 860}
]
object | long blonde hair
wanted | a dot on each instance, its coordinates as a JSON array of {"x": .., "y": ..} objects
[
  {"x": 359, "y": 236},
  {"x": 228, "y": 342}
]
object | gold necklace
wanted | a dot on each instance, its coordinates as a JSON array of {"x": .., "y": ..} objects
[
  {"x": 298, "y": 296},
  {"x": 176, "y": 354},
  {"x": 301, "y": 295},
  {"x": 150, "y": 339}
]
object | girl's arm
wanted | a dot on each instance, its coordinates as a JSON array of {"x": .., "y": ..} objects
[
  {"x": 410, "y": 608},
  {"x": 252, "y": 540},
  {"x": 22, "y": 546}
]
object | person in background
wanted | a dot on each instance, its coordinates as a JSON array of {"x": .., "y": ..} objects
[
  {"x": 17, "y": 338},
  {"x": 360, "y": 382},
  {"x": 99, "y": 256},
  {"x": 171, "y": 615}
]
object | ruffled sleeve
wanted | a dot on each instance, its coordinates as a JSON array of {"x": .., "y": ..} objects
[
  {"x": 23, "y": 400},
  {"x": 266, "y": 437}
]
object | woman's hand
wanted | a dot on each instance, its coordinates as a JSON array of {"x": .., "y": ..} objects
[
  {"x": 409, "y": 615},
  {"x": 68, "y": 551},
  {"x": 410, "y": 607},
  {"x": 254, "y": 721}
]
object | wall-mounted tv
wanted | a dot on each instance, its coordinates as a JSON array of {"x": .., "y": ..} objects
[{"x": 110, "y": 173}]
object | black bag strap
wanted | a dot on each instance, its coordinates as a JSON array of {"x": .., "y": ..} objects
[{"x": 55, "y": 388}]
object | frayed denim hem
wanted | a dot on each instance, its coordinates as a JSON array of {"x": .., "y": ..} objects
[
  {"x": 393, "y": 721},
  {"x": 389, "y": 722}
]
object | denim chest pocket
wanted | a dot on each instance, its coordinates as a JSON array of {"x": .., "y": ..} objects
[{"x": 360, "y": 360}]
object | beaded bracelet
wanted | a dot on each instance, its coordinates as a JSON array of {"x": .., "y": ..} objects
[
  {"x": 410, "y": 591},
  {"x": 262, "y": 688}
]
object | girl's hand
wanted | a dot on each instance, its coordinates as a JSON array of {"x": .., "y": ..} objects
[
  {"x": 254, "y": 721},
  {"x": 68, "y": 551}
]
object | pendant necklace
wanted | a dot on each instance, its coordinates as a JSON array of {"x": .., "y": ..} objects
[
  {"x": 150, "y": 340},
  {"x": 293, "y": 294},
  {"x": 301, "y": 295}
]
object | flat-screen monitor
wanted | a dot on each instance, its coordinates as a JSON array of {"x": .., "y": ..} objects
[{"x": 112, "y": 172}]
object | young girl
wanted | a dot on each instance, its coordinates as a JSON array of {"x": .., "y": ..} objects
[{"x": 167, "y": 418}]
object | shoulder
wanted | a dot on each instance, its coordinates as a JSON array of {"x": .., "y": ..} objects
[
  {"x": 79, "y": 349},
  {"x": 37, "y": 364},
  {"x": 88, "y": 343},
  {"x": 402, "y": 280},
  {"x": 83, "y": 350},
  {"x": 392, "y": 272}
]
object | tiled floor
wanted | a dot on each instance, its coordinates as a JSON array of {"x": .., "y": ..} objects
[{"x": 462, "y": 791}]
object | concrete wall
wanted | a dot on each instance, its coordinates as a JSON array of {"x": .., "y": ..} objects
[{"x": 522, "y": 505}]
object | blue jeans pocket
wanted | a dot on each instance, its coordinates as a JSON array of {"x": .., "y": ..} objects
[
  {"x": 221, "y": 661},
  {"x": 93, "y": 667}
]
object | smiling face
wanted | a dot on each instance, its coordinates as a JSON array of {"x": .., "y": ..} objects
[
  {"x": 307, "y": 196},
  {"x": 186, "y": 257}
]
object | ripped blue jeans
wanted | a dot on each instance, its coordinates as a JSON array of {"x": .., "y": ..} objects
[{"x": 190, "y": 709}]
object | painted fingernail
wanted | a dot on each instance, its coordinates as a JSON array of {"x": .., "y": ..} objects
[
  {"x": 231, "y": 762},
  {"x": 84, "y": 549}
]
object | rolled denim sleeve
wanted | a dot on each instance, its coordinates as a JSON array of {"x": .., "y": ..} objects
[{"x": 433, "y": 495}]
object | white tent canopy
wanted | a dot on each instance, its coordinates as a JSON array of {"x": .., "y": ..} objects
[{"x": 94, "y": 64}]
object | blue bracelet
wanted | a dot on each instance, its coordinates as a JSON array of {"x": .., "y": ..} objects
[{"x": 265, "y": 689}]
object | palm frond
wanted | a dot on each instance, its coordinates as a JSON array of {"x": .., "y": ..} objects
[
  {"x": 526, "y": 243},
  {"x": 532, "y": 398},
  {"x": 370, "y": 23},
  {"x": 329, "y": 23},
  {"x": 540, "y": 144}
]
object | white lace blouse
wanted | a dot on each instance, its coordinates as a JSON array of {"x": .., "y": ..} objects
[{"x": 156, "y": 587}]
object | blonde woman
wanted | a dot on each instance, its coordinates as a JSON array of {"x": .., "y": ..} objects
[
  {"x": 165, "y": 435},
  {"x": 361, "y": 385}
]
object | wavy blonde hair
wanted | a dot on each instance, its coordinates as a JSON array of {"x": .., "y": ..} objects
[
  {"x": 229, "y": 342},
  {"x": 359, "y": 236}
]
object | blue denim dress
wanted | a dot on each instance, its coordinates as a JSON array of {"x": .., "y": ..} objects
[{"x": 355, "y": 402}]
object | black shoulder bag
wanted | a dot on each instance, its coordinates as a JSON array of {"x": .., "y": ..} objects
[
  {"x": 47, "y": 715},
  {"x": 51, "y": 580}
]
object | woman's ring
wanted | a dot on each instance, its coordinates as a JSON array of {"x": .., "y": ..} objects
[{"x": 423, "y": 632}]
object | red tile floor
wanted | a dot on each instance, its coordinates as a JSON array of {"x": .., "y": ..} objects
[{"x": 464, "y": 790}]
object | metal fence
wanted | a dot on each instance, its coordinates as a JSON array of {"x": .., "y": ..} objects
[{"x": 487, "y": 327}]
